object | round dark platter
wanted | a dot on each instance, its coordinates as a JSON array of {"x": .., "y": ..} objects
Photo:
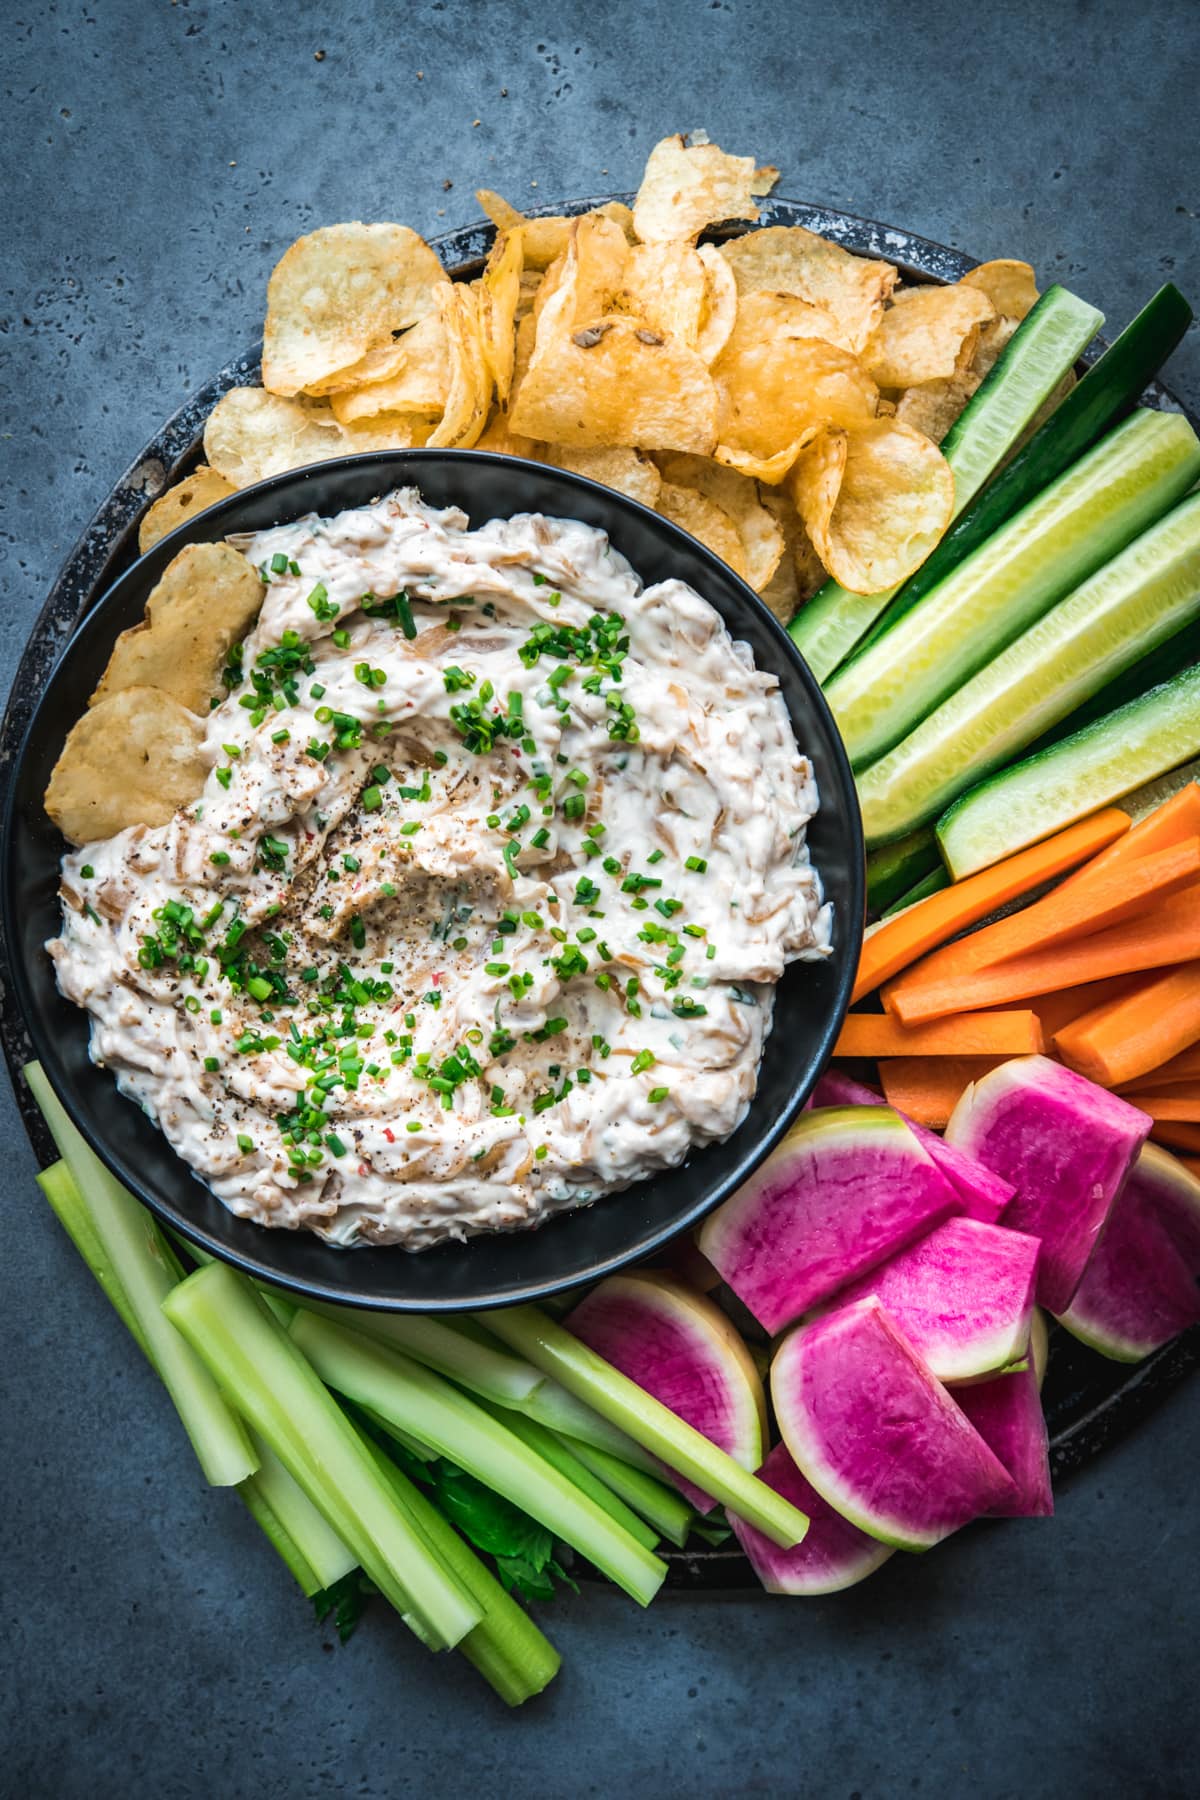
[{"x": 1090, "y": 1402}]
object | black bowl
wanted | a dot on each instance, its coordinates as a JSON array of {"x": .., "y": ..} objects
[{"x": 573, "y": 1247}]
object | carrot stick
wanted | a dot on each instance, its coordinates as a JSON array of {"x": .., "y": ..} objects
[
  {"x": 928, "y": 1089},
  {"x": 1184, "y": 1067},
  {"x": 1179, "y": 1104},
  {"x": 1177, "y": 1136},
  {"x": 1126, "y": 1038},
  {"x": 1063, "y": 916},
  {"x": 1176, "y": 819},
  {"x": 968, "y": 1034},
  {"x": 1059, "y": 1009},
  {"x": 896, "y": 943},
  {"x": 1170, "y": 934}
]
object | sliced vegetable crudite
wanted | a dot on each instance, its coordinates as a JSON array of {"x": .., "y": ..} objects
[{"x": 847, "y": 1188}]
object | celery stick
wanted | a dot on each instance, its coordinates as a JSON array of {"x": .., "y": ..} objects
[
  {"x": 487, "y": 1371},
  {"x": 375, "y": 1375},
  {"x": 318, "y": 1543},
  {"x": 58, "y": 1185},
  {"x": 280, "y": 1538},
  {"x": 405, "y": 1439},
  {"x": 506, "y": 1646},
  {"x": 560, "y": 1411},
  {"x": 663, "y": 1506},
  {"x": 264, "y": 1373},
  {"x": 307, "y": 1545},
  {"x": 557, "y": 1453},
  {"x": 551, "y": 1347},
  {"x": 135, "y": 1248}
]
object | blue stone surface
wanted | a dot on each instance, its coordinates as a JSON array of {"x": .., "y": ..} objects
[{"x": 159, "y": 159}]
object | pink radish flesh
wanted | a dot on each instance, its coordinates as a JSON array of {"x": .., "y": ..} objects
[
  {"x": 1065, "y": 1144},
  {"x": 1007, "y": 1414},
  {"x": 848, "y": 1187},
  {"x": 877, "y": 1435},
  {"x": 1173, "y": 1195},
  {"x": 680, "y": 1348},
  {"x": 962, "y": 1296},
  {"x": 983, "y": 1194},
  {"x": 833, "y": 1555},
  {"x": 1137, "y": 1291}
]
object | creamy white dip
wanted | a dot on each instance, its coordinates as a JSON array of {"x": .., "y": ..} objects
[{"x": 479, "y": 913}]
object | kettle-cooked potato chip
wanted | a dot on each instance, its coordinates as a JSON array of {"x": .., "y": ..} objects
[
  {"x": 623, "y": 469},
  {"x": 339, "y": 292},
  {"x": 665, "y": 287},
  {"x": 801, "y": 571},
  {"x": 500, "y": 292},
  {"x": 544, "y": 240},
  {"x": 706, "y": 520},
  {"x": 1010, "y": 286},
  {"x": 194, "y": 494},
  {"x": 761, "y": 536},
  {"x": 688, "y": 186},
  {"x": 251, "y": 434},
  {"x": 419, "y": 382},
  {"x": 386, "y": 431},
  {"x": 922, "y": 334},
  {"x": 875, "y": 500},
  {"x": 720, "y": 304},
  {"x": 133, "y": 759},
  {"x": 615, "y": 382},
  {"x": 470, "y": 381},
  {"x": 933, "y": 406},
  {"x": 206, "y": 601},
  {"x": 780, "y": 380},
  {"x": 787, "y": 259}
]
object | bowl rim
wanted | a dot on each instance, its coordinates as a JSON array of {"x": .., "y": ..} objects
[{"x": 208, "y": 526}]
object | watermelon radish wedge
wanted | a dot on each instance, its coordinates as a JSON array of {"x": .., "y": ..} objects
[
  {"x": 962, "y": 1296},
  {"x": 1066, "y": 1145},
  {"x": 682, "y": 1349},
  {"x": 1007, "y": 1414},
  {"x": 1137, "y": 1291},
  {"x": 847, "y": 1188},
  {"x": 833, "y": 1553},
  {"x": 982, "y": 1194},
  {"x": 1173, "y": 1195},
  {"x": 877, "y": 1435}
]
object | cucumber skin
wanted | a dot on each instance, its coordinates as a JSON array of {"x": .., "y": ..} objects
[
  {"x": 898, "y": 866},
  {"x": 1114, "y": 381},
  {"x": 866, "y": 609},
  {"x": 1167, "y": 659},
  {"x": 1177, "y": 570},
  {"x": 873, "y": 716},
  {"x": 933, "y": 883},
  {"x": 1178, "y": 698}
]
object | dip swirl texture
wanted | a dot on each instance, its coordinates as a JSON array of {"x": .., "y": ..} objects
[{"x": 480, "y": 911}]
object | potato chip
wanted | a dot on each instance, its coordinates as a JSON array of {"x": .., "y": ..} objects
[
  {"x": 801, "y": 571},
  {"x": 787, "y": 259},
  {"x": 419, "y": 384},
  {"x": 780, "y": 381},
  {"x": 339, "y": 292},
  {"x": 503, "y": 215},
  {"x": 595, "y": 381},
  {"x": 688, "y": 186},
  {"x": 615, "y": 382},
  {"x": 922, "y": 333},
  {"x": 1010, "y": 286},
  {"x": 706, "y": 520},
  {"x": 875, "y": 500},
  {"x": 497, "y": 436},
  {"x": 933, "y": 406},
  {"x": 762, "y": 537},
  {"x": 531, "y": 281},
  {"x": 623, "y": 469},
  {"x": 665, "y": 287},
  {"x": 194, "y": 494},
  {"x": 500, "y": 290},
  {"x": 379, "y": 364},
  {"x": 523, "y": 349},
  {"x": 206, "y": 601},
  {"x": 994, "y": 339},
  {"x": 385, "y": 431},
  {"x": 720, "y": 304},
  {"x": 470, "y": 380},
  {"x": 133, "y": 759},
  {"x": 251, "y": 434}
]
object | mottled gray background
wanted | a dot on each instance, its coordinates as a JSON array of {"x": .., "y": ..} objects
[{"x": 158, "y": 158}]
